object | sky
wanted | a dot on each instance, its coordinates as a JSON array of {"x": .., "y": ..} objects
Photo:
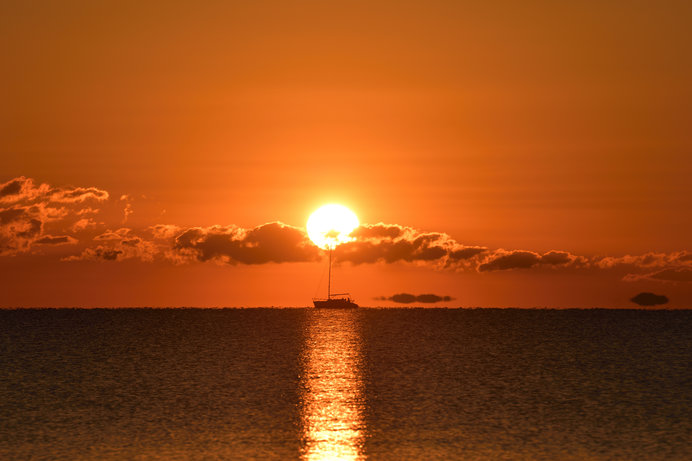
[{"x": 529, "y": 154}]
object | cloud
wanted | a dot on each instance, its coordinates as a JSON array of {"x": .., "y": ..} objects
[
  {"x": 30, "y": 209},
  {"x": 649, "y": 299},
  {"x": 376, "y": 243},
  {"x": 19, "y": 226},
  {"x": 504, "y": 260},
  {"x": 466, "y": 253},
  {"x": 273, "y": 242},
  {"x": 84, "y": 211},
  {"x": 556, "y": 258},
  {"x": 391, "y": 243},
  {"x": 84, "y": 224},
  {"x": 100, "y": 253},
  {"x": 164, "y": 231},
  {"x": 127, "y": 211},
  {"x": 55, "y": 240},
  {"x": 42, "y": 214},
  {"x": 119, "y": 250},
  {"x": 680, "y": 274},
  {"x": 118, "y": 234},
  {"x": 377, "y": 231},
  {"x": 77, "y": 195},
  {"x": 522, "y": 259},
  {"x": 407, "y": 298},
  {"x": 22, "y": 189},
  {"x": 647, "y": 260},
  {"x": 11, "y": 188},
  {"x": 672, "y": 274}
]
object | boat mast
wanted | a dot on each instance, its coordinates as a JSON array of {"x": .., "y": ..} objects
[{"x": 329, "y": 282}]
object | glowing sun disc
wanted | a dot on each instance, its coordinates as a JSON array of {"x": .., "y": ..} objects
[{"x": 331, "y": 225}]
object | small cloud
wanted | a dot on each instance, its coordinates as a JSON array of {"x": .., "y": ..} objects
[
  {"x": 680, "y": 274},
  {"x": 13, "y": 187},
  {"x": 466, "y": 252},
  {"x": 649, "y": 299},
  {"x": 84, "y": 211},
  {"x": 131, "y": 242},
  {"x": 56, "y": 240},
  {"x": 674, "y": 274},
  {"x": 83, "y": 224},
  {"x": 407, "y": 298},
  {"x": 377, "y": 231},
  {"x": 554, "y": 258},
  {"x": 119, "y": 234},
  {"x": 522, "y": 259},
  {"x": 127, "y": 212},
  {"x": 22, "y": 189},
  {"x": 78, "y": 195},
  {"x": 165, "y": 231},
  {"x": 109, "y": 235},
  {"x": 18, "y": 227},
  {"x": 97, "y": 254},
  {"x": 504, "y": 260}
]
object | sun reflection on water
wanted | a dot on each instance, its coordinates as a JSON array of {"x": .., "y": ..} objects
[{"x": 332, "y": 395}]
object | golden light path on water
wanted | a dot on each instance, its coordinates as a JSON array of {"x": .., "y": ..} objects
[{"x": 333, "y": 398}]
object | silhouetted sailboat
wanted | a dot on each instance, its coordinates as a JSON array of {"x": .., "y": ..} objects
[{"x": 334, "y": 300}]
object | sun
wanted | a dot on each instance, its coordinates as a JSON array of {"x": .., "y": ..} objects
[{"x": 331, "y": 225}]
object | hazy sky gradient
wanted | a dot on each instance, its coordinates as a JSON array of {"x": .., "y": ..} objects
[{"x": 531, "y": 126}]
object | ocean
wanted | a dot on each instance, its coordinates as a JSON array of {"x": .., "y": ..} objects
[{"x": 379, "y": 384}]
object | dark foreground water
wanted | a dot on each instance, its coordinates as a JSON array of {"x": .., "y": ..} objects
[{"x": 378, "y": 384}]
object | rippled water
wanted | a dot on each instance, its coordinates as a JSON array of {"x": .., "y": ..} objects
[{"x": 369, "y": 383}]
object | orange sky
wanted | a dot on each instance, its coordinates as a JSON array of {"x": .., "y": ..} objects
[{"x": 515, "y": 126}]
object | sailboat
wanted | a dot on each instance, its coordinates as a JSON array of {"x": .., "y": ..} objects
[{"x": 334, "y": 300}]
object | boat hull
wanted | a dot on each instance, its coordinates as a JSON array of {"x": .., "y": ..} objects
[{"x": 334, "y": 303}]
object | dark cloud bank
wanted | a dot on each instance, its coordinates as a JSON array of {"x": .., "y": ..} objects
[{"x": 36, "y": 215}]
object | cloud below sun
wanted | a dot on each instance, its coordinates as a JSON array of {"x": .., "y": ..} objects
[{"x": 35, "y": 218}]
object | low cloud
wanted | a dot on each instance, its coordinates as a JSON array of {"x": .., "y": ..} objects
[
  {"x": 77, "y": 195},
  {"x": 464, "y": 253},
  {"x": 119, "y": 250},
  {"x": 647, "y": 260},
  {"x": 34, "y": 214},
  {"x": 100, "y": 253},
  {"x": 84, "y": 224},
  {"x": 119, "y": 234},
  {"x": 19, "y": 226},
  {"x": 522, "y": 259},
  {"x": 165, "y": 231},
  {"x": 22, "y": 189},
  {"x": 673, "y": 274},
  {"x": 56, "y": 240},
  {"x": 31, "y": 212},
  {"x": 504, "y": 260},
  {"x": 391, "y": 243},
  {"x": 269, "y": 243},
  {"x": 649, "y": 299},
  {"x": 407, "y": 298}
]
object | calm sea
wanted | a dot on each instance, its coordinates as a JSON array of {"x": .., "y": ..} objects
[{"x": 372, "y": 383}]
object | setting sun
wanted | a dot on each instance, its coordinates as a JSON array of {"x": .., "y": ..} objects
[{"x": 331, "y": 225}]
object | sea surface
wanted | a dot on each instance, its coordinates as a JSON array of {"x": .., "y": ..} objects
[{"x": 380, "y": 384}]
